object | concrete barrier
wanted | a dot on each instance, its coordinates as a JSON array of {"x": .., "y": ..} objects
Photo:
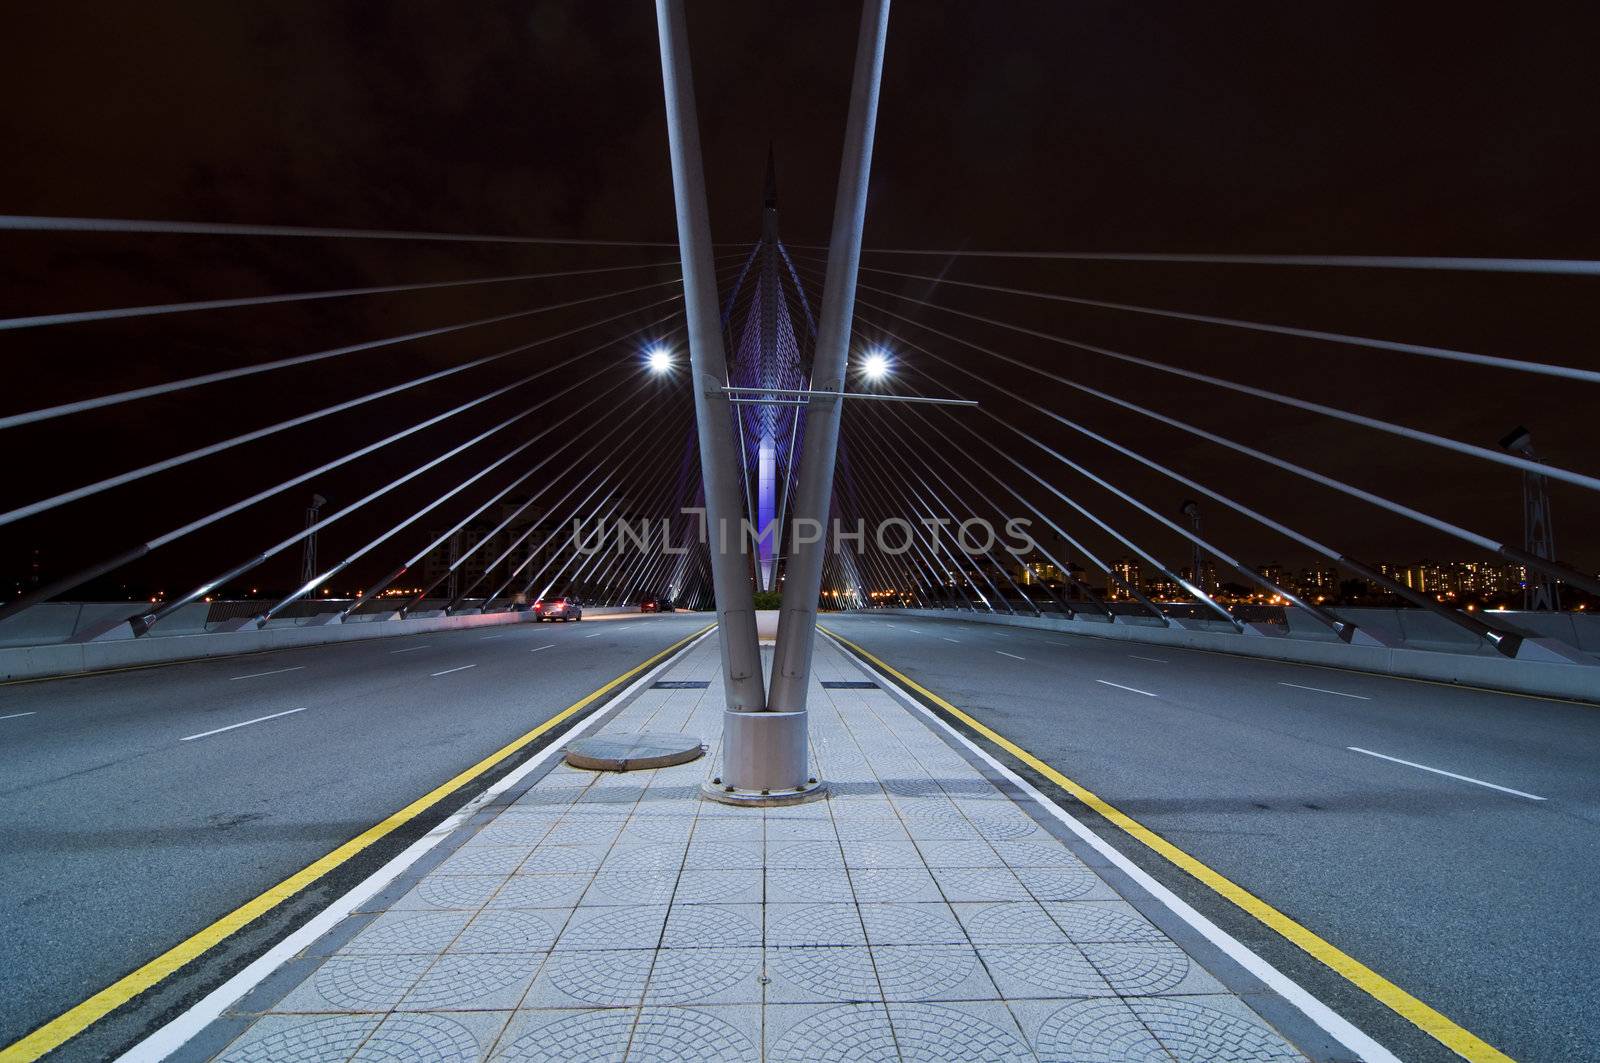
[
  {"x": 1562, "y": 680},
  {"x": 187, "y": 640}
]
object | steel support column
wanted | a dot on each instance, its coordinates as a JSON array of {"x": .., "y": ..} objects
[
  {"x": 797, "y": 623},
  {"x": 743, "y": 684}
]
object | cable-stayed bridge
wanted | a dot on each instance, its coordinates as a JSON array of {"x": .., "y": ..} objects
[{"x": 1016, "y": 756}]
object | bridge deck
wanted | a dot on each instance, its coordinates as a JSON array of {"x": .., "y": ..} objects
[{"x": 917, "y": 913}]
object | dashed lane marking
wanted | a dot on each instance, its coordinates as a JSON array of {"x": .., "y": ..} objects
[
  {"x": 275, "y": 671},
  {"x": 246, "y": 723},
  {"x": 1131, "y": 690},
  {"x": 1324, "y": 690},
  {"x": 447, "y": 671},
  {"x": 1449, "y": 774},
  {"x": 1013, "y": 656}
]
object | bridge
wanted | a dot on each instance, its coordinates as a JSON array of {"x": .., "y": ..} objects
[{"x": 765, "y": 650}]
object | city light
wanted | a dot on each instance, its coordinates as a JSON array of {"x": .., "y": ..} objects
[
  {"x": 876, "y": 364},
  {"x": 659, "y": 359}
]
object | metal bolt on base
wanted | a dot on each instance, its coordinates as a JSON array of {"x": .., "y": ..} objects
[{"x": 764, "y": 760}]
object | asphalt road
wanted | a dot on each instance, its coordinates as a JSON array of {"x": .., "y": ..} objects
[
  {"x": 135, "y": 809},
  {"x": 1479, "y": 901}
]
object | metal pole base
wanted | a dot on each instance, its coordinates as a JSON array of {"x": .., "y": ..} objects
[
  {"x": 729, "y": 795},
  {"x": 764, "y": 760}
]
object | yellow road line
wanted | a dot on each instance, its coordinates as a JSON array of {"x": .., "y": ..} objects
[
  {"x": 1459, "y": 1040},
  {"x": 74, "y": 1021}
]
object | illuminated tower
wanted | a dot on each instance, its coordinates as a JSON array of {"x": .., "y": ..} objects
[{"x": 770, "y": 334}]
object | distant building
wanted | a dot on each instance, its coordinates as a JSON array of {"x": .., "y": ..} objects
[{"x": 1129, "y": 572}]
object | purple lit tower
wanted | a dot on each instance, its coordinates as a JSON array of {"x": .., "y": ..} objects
[{"x": 770, "y": 334}]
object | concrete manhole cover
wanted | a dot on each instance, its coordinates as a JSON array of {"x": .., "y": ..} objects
[{"x": 631, "y": 752}]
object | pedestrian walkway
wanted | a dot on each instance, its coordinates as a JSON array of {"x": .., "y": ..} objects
[{"x": 918, "y": 913}]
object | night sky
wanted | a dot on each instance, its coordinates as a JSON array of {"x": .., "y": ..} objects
[{"x": 1164, "y": 127}]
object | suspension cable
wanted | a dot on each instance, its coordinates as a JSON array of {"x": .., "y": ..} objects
[
  {"x": 158, "y": 309},
  {"x": 1553, "y": 568},
  {"x": 166, "y": 464},
  {"x": 30, "y": 223}
]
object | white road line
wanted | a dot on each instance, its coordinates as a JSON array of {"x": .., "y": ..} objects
[
  {"x": 1322, "y": 690},
  {"x": 447, "y": 671},
  {"x": 1441, "y": 771},
  {"x": 14, "y": 715},
  {"x": 275, "y": 671},
  {"x": 247, "y": 723},
  {"x": 947, "y": 639},
  {"x": 596, "y": 635},
  {"x": 1003, "y": 653},
  {"x": 917, "y": 630},
  {"x": 501, "y": 635},
  {"x": 546, "y": 646},
  {"x": 1119, "y": 686},
  {"x": 1153, "y": 660},
  {"x": 409, "y": 649}
]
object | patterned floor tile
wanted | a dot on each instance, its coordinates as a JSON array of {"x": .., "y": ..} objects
[
  {"x": 839, "y": 1033},
  {"x": 301, "y": 1039},
  {"x": 811, "y": 973},
  {"x": 965, "y": 1032},
  {"x": 490, "y": 981},
  {"x": 594, "y": 1036},
  {"x": 1024, "y": 971},
  {"x": 706, "y": 976},
  {"x": 456, "y": 1038}
]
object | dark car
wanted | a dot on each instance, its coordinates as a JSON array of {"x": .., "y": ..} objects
[
  {"x": 562, "y": 609},
  {"x": 651, "y": 604}
]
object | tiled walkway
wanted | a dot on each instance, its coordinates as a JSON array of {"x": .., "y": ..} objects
[{"x": 916, "y": 914}]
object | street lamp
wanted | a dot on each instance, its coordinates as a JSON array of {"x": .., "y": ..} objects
[
  {"x": 659, "y": 359},
  {"x": 876, "y": 364}
]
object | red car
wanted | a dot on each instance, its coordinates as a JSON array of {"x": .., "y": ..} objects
[
  {"x": 651, "y": 604},
  {"x": 562, "y": 609}
]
